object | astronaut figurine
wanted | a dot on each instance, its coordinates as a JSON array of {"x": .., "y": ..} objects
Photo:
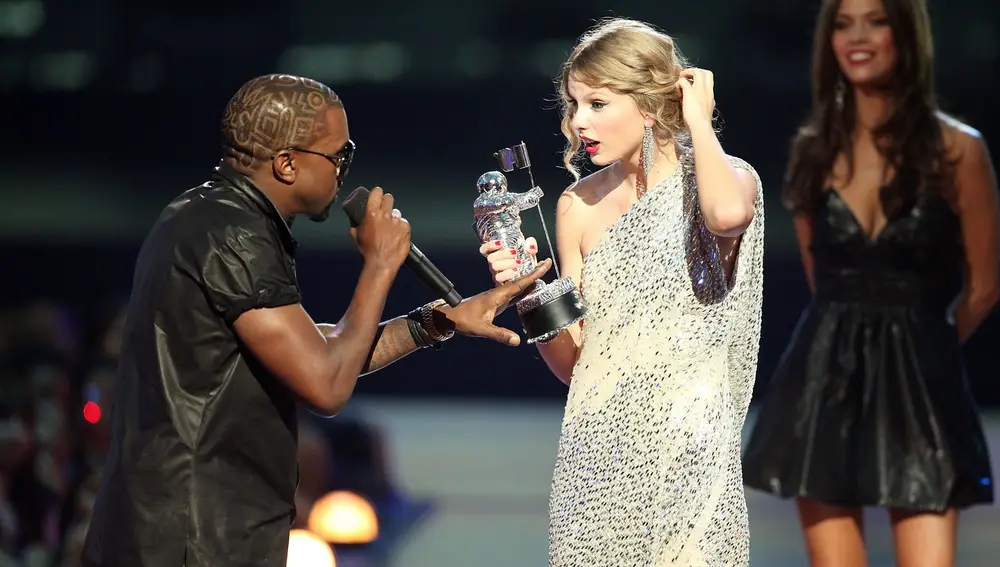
[{"x": 497, "y": 214}]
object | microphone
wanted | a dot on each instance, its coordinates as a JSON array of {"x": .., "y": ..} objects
[{"x": 432, "y": 277}]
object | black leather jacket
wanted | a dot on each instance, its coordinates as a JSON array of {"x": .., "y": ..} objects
[{"x": 202, "y": 469}]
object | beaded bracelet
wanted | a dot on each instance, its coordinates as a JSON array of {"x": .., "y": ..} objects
[{"x": 427, "y": 318}]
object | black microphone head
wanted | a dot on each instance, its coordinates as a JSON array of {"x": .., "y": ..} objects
[{"x": 355, "y": 205}]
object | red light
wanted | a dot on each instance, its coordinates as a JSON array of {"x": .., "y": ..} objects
[{"x": 91, "y": 412}]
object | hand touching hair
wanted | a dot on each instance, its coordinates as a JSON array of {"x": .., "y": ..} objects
[{"x": 630, "y": 58}]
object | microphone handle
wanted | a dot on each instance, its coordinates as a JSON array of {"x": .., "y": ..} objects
[
  {"x": 431, "y": 276},
  {"x": 355, "y": 205}
]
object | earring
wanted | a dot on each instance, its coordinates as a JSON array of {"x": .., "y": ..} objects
[{"x": 647, "y": 150}]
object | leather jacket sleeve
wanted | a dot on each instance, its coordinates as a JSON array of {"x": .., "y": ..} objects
[{"x": 240, "y": 269}]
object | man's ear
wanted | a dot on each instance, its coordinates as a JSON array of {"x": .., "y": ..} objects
[{"x": 283, "y": 167}]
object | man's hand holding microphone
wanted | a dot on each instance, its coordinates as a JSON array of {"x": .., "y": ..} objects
[{"x": 383, "y": 238}]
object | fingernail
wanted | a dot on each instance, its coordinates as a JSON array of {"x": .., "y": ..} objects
[
  {"x": 513, "y": 252},
  {"x": 518, "y": 261},
  {"x": 498, "y": 243},
  {"x": 532, "y": 247}
]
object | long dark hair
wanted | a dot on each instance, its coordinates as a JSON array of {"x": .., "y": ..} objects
[{"x": 910, "y": 140}]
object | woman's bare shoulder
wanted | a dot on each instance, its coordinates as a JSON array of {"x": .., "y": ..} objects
[
  {"x": 959, "y": 137},
  {"x": 587, "y": 191}
]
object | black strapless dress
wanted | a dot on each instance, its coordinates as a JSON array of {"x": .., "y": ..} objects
[{"x": 870, "y": 405}]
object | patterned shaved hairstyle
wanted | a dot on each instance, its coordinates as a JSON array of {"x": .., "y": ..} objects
[{"x": 273, "y": 112}]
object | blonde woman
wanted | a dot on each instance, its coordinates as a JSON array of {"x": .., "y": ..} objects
[{"x": 666, "y": 241}]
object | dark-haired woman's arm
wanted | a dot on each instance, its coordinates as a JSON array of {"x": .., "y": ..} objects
[
  {"x": 976, "y": 197},
  {"x": 803, "y": 233}
]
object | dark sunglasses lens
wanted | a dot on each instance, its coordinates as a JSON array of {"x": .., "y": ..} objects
[{"x": 346, "y": 157}]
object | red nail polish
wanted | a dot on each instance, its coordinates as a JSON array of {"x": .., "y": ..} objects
[
  {"x": 514, "y": 252},
  {"x": 498, "y": 243}
]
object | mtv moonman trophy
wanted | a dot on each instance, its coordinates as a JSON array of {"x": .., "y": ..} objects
[{"x": 549, "y": 307}]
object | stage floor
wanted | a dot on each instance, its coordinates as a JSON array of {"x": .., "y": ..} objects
[{"x": 486, "y": 467}]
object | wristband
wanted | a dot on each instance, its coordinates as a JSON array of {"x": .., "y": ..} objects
[
  {"x": 420, "y": 336},
  {"x": 427, "y": 322}
]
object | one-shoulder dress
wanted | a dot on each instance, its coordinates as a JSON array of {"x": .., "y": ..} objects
[{"x": 648, "y": 467}]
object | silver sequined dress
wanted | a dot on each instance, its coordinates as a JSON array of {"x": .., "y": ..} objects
[{"x": 648, "y": 471}]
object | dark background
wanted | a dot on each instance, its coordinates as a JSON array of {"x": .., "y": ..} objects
[{"x": 111, "y": 108}]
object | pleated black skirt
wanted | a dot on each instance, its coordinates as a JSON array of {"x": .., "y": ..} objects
[{"x": 870, "y": 406}]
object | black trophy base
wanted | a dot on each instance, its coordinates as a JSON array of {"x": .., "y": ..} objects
[{"x": 550, "y": 310}]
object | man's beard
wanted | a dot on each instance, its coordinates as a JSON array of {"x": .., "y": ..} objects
[{"x": 324, "y": 214}]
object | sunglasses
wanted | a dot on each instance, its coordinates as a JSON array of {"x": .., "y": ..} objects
[{"x": 342, "y": 158}]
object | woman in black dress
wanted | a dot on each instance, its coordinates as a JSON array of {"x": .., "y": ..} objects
[{"x": 896, "y": 215}]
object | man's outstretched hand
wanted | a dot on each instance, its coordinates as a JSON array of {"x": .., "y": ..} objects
[{"x": 474, "y": 316}]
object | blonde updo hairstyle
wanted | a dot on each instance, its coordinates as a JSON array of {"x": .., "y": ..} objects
[{"x": 630, "y": 58}]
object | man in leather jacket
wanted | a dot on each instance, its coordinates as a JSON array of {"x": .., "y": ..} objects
[{"x": 217, "y": 348}]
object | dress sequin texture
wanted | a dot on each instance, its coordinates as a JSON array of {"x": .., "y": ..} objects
[{"x": 648, "y": 470}]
